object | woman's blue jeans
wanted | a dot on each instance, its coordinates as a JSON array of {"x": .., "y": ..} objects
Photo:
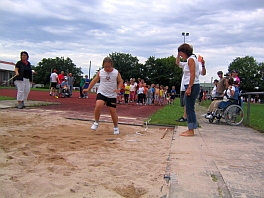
[{"x": 190, "y": 103}]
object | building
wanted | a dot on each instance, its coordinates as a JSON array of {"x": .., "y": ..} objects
[{"x": 7, "y": 71}]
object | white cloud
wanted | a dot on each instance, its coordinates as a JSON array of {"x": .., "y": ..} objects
[{"x": 90, "y": 30}]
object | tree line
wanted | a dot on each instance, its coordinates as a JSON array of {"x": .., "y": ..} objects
[{"x": 154, "y": 70}]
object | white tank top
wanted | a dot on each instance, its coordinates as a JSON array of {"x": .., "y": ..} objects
[
  {"x": 108, "y": 83},
  {"x": 186, "y": 72}
]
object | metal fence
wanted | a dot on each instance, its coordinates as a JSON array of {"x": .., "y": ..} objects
[{"x": 249, "y": 94}]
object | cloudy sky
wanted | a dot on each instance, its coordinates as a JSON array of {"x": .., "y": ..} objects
[{"x": 89, "y": 30}]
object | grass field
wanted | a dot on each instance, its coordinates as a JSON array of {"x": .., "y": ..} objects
[
  {"x": 168, "y": 114},
  {"x": 256, "y": 120},
  {"x": 6, "y": 98}
]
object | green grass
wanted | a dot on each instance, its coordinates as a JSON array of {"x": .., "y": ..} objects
[
  {"x": 256, "y": 116},
  {"x": 6, "y": 98},
  {"x": 168, "y": 114}
]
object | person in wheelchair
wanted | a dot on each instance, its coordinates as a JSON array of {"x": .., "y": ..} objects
[
  {"x": 65, "y": 88},
  {"x": 230, "y": 96}
]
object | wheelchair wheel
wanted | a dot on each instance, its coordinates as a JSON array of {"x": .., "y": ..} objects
[{"x": 234, "y": 115}]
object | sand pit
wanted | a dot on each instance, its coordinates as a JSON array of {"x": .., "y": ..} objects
[{"x": 44, "y": 155}]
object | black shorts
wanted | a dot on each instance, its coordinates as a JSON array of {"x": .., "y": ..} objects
[
  {"x": 53, "y": 84},
  {"x": 110, "y": 102}
]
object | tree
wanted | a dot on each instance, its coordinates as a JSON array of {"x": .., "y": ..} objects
[
  {"x": 46, "y": 66},
  {"x": 127, "y": 65},
  {"x": 158, "y": 71},
  {"x": 249, "y": 71},
  {"x": 164, "y": 71}
]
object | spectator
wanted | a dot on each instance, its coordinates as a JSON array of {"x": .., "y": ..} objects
[
  {"x": 234, "y": 75},
  {"x": 221, "y": 85},
  {"x": 60, "y": 80},
  {"x": 133, "y": 88},
  {"x": 53, "y": 82},
  {"x": 81, "y": 84},
  {"x": 172, "y": 95},
  {"x": 182, "y": 89},
  {"x": 157, "y": 94},
  {"x": 191, "y": 83},
  {"x": 23, "y": 79},
  {"x": 86, "y": 85},
  {"x": 149, "y": 95},
  {"x": 127, "y": 92},
  {"x": 228, "y": 93},
  {"x": 71, "y": 82}
]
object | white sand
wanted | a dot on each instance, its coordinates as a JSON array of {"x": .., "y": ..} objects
[{"x": 50, "y": 156}]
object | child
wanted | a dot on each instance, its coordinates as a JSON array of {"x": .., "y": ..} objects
[
  {"x": 172, "y": 95},
  {"x": 157, "y": 94},
  {"x": 127, "y": 92},
  {"x": 145, "y": 93},
  {"x": 86, "y": 85},
  {"x": 161, "y": 95},
  {"x": 132, "y": 94},
  {"x": 120, "y": 95},
  {"x": 140, "y": 94},
  {"x": 149, "y": 95}
]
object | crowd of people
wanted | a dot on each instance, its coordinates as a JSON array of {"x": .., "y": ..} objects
[
  {"x": 139, "y": 93},
  {"x": 61, "y": 85}
]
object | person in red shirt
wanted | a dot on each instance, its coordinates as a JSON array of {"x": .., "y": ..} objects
[{"x": 60, "y": 79}]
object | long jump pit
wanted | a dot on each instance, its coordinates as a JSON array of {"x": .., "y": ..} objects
[{"x": 43, "y": 154}]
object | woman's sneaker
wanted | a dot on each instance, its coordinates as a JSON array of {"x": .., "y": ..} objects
[
  {"x": 116, "y": 131},
  {"x": 182, "y": 119},
  {"x": 20, "y": 106},
  {"x": 95, "y": 126}
]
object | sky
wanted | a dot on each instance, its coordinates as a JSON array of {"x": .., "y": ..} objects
[{"x": 89, "y": 30}]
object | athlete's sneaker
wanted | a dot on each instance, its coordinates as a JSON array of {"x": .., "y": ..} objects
[
  {"x": 116, "y": 131},
  {"x": 95, "y": 126}
]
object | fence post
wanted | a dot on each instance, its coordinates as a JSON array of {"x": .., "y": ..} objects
[{"x": 248, "y": 109}]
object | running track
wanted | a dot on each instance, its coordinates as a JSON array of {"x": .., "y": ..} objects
[{"x": 83, "y": 106}]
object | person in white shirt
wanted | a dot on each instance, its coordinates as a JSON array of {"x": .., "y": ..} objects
[
  {"x": 191, "y": 83},
  {"x": 53, "y": 82},
  {"x": 140, "y": 94},
  {"x": 110, "y": 84},
  {"x": 213, "y": 94},
  {"x": 182, "y": 89}
]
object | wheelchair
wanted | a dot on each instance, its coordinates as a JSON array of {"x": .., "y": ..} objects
[
  {"x": 65, "y": 92},
  {"x": 232, "y": 113}
]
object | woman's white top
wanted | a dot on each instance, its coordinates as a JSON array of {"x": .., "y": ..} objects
[
  {"x": 186, "y": 72},
  {"x": 108, "y": 83}
]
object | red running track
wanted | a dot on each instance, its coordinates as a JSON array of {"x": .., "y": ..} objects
[{"x": 83, "y": 106}]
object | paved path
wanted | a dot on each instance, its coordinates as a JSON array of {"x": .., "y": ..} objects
[{"x": 219, "y": 161}]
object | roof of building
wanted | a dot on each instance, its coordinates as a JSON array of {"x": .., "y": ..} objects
[{"x": 9, "y": 66}]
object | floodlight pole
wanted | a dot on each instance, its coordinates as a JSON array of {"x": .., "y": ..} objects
[{"x": 185, "y": 34}]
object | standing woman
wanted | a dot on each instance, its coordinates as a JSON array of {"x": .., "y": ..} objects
[
  {"x": 23, "y": 78},
  {"x": 191, "y": 84}
]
